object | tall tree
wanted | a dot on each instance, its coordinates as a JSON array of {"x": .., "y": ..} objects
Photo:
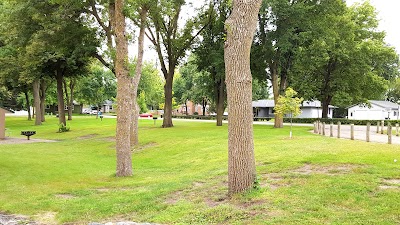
[
  {"x": 210, "y": 54},
  {"x": 280, "y": 24},
  {"x": 124, "y": 99},
  {"x": 343, "y": 59},
  {"x": 240, "y": 26},
  {"x": 171, "y": 43}
]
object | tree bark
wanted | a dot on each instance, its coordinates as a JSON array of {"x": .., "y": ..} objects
[
  {"x": 325, "y": 106},
  {"x": 36, "y": 100},
  {"x": 241, "y": 26},
  {"x": 167, "y": 122},
  {"x": 28, "y": 105},
  {"x": 43, "y": 89},
  {"x": 67, "y": 99},
  {"x": 124, "y": 100},
  {"x": 220, "y": 100},
  {"x": 136, "y": 78},
  {"x": 60, "y": 98},
  {"x": 278, "y": 120}
]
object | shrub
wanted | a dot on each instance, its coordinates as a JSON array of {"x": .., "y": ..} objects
[{"x": 62, "y": 128}]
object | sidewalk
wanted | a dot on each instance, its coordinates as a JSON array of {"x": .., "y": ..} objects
[{"x": 360, "y": 133}]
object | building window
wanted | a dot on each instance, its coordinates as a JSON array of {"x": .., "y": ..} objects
[
  {"x": 394, "y": 113},
  {"x": 110, "y": 107},
  {"x": 351, "y": 114}
]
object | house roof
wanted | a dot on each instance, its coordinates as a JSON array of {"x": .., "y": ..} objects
[
  {"x": 382, "y": 104},
  {"x": 264, "y": 103},
  {"x": 271, "y": 104},
  {"x": 385, "y": 104},
  {"x": 107, "y": 102}
]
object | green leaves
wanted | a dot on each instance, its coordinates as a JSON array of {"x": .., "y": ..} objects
[{"x": 288, "y": 104}]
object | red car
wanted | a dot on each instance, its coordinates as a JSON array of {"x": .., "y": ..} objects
[{"x": 146, "y": 115}]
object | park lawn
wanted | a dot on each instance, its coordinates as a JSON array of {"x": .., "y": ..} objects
[{"x": 180, "y": 176}]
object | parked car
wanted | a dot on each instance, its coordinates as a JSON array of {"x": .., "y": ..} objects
[
  {"x": 93, "y": 112},
  {"x": 146, "y": 115}
]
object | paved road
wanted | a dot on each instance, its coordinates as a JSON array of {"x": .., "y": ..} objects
[{"x": 359, "y": 131}]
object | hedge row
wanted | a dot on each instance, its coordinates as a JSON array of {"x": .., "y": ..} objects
[{"x": 198, "y": 117}]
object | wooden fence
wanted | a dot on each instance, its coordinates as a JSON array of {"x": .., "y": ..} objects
[{"x": 319, "y": 128}]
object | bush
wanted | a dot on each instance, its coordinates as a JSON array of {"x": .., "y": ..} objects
[{"x": 62, "y": 128}]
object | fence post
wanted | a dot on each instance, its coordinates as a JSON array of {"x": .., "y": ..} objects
[
  {"x": 368, "y": 129},
  {"x": 331, "y": 130},
  {"x": 389, "y": 132},
  {"x": 397, "y": 129},
  {"x": 382, "y": 125},
  {"x": 378, "y": 124},
  {"x": 338, "y": 129},
  {"x": 319, "y": 127},
  {"x": 323, "y": 128},
  {"x": 352, "y": 131}
]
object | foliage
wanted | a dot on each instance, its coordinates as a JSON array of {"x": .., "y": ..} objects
[
  {"x": 99, "y": 85},
  {"x": 150, "y": 86},
  {"x": 289, "y": 104},
  {"x": 62, "y": 128},
  {"x": 197, "y": 194},
  {"x": 343, "y": 59}
]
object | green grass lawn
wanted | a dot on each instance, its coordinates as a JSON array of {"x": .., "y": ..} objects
[{"x": 180, "y": 176}]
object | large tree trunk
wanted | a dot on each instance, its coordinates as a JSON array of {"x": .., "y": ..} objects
[
  {"x": 167, "y": 122},
  {"x": 204, "y": 105},
  {"x": 325, "y": 106},
  {"x": 36, "y": 100},
  {"x": 136, "y": 79},
  {"x": 220, "y": 100},
  {"x": 135, "y": 124},
  {"x": 60, "y": 98},
  {"x": 71, "y": 100},
  {"x": 28, "y": 105},
  {"x": 278, "y": 120},
  {"x": 43, "y": 89},
  {"x": 241, "y": 26},
  {"x": 124, "y": 100},
  {"x": 68, "y": 100}
]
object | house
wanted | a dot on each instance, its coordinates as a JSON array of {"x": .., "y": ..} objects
[
  {"x": 53, "y": 109},
  {"x": 309, "y": 109},
  {"x": 192, "y": 109},
  {"x": 108, "y": 107},
  {"x": 374, "y": 110}
]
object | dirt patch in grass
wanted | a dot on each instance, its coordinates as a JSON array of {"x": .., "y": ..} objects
[
  {"x": 48, "y": 218},
  {"x": 65, "y": 196},
  {"x": 273, "y": 181},
  {"x": 331, "y": 170},
  {"x": 144, "y": 146},
  {"x": 390, "y": 184},
  {"x": 89, "y": 136},
  {"x": 23, "y": 141},
  {"x": 15, "y": 219},
  {"x": 110, "y": 139}
]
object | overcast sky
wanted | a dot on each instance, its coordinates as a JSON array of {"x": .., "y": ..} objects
[{"x": 389, "y": 16}]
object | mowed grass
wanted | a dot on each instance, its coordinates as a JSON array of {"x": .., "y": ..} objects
[{"x": 180, "y": 176}]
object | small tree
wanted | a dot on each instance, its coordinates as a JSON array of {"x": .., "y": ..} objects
[{"x": 289, "y": 104}]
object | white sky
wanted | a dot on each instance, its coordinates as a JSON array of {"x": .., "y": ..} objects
[{"x": 389, "y": 16}]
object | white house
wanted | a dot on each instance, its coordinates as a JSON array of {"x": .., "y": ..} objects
[
  {"x": 309, "y": 109},
  {"x": 375, "y": 110}
]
